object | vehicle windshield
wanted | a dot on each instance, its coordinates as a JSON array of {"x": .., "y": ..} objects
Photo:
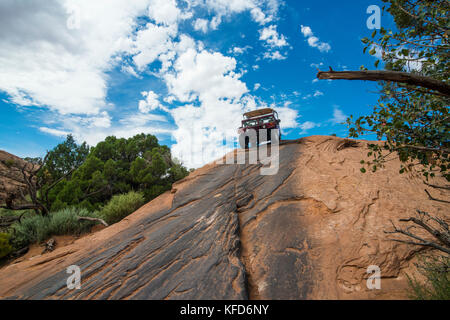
[
  {"x": 251, "y": 123},
  {"x": 255, "y": 122},
  {"x": 267, "y": 120}
]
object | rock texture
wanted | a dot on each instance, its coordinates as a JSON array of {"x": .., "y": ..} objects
[
  {"x": 10, "y": 179},
  {"x": 227, "y": 232}
]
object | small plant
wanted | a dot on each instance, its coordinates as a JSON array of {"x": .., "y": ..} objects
[
  {"x": 66, "y": 222},
  {"x": 5, "y": 246},
  {"x": 30, "y": 230},
  {"x": 436, "y": 271},
  {"x": 38, "y": 228},
  {"x": 121, "y": 206}
]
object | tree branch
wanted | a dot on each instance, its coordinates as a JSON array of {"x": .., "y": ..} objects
[
  {"x": 434, "y": 199},
  {"x": 394, "y": 76},
  {"x": 94, "y": 219}
]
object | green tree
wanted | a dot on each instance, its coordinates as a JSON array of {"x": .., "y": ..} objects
[
  {"x": 38, "y": 177},
  {"x": 412, "y": 115},
  {"x": 118, "y": 166},
  {"x": 65, "y": 157}
]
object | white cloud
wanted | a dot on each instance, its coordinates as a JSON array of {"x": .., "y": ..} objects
[
  {"x": 57, "y": 67},
  {"x": 208, "y": 83},
  {"x": 44, "y": 63},
  {"x": 201, "y": 25},
  {"x": 150, "y": 43},
  {"x": 276, "y": 55},
  {"x": 259, "y": 16},
  {"x": 139, "y": 119},
  {"x": 239, "y": 50},
  {"x": 164, "y": 11},
  {"x": 338, "y": 116},
  {"x": 257, "y": 86},
  {"x": 204, "y": 75},
  {"x": 95, "y": 129},
  {"x": 272, "y": 37},
  {"x": 317, "y": 93},
  {"x": 288, "y": 117},
  {"x": 261, "y": 11},
  {"x": 316, "y": 65},
  {"x": 307, "y": 32},
  {"x": 314, "y": 41},
  {"x": 150, "y": 103},
  {"x": 308, "y": 125},
  {"x": 54, "y": 132}
]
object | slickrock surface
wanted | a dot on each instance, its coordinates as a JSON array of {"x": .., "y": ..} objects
[{"x": 227, "y": 232}]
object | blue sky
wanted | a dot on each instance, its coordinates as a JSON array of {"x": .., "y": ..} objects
[{"x": 182, "y": 70}]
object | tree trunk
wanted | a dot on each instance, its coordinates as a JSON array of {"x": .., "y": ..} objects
[{"x": 394, "y": 76}]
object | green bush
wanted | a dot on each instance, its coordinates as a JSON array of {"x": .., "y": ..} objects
[
  {"x": 66, "y": 222},
  {"x": 38, "y": 228},
  {"x": 436, "y": 271},
  {"x": 5, "y": 246},
  {"x": 121, "y": 206},
  {"x": 30, "y": 230}
]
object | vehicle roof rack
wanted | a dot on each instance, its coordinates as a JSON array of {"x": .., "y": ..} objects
[{"x": 257, "y": 113}]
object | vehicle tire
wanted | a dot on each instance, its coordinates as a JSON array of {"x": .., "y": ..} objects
[{"x": 244, "y": 141}]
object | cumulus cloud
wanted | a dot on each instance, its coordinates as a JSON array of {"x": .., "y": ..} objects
[
  {"x": 274, "y": 41},
  {"x": 239, "y": 50},
  {"x": 213, "y": 91},
  {"x": 308, "y": 125},
  {"x": 54, "y": 132},
  {"x": 275, "y": 55},
  {"x": 66, "y": 70},
  {"x": 58, "y": 67},
  {"x": 272, "y": 37},
  {"x": 201, "y": 25},
  {"x": 338, "y": 116},
  {"x": 206, "y": 76},
  {"x": 314, "y": 41},
  {"x": 259, "y": 16},
  {"x": 316, "y": 94},
  {"x": 150, "y": 103},
  {"x": 165, "y": 12}
]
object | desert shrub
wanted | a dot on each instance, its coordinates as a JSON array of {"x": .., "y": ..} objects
[
  {"x": 5, "y": 246},
  {"x": 436, "y": 271},
  {"x": 121, "y": 206},
  {"x": 15, "y": 213},
  {"x": 65, "y": 222},
  {"x": 38, "y": 228},
  {"x": 30, "y": 230}
]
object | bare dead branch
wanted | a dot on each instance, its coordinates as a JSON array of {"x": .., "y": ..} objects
[
  {"x": 423, "y": 221},
  {"x": 434, "y": 199},
  {"x": 394, "y": 76},
  {"x": 436, "y": 186},
  {"x": 93, "y": 219}
]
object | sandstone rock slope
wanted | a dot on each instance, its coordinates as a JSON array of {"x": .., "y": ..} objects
[{"x": 228, "y": 232}]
